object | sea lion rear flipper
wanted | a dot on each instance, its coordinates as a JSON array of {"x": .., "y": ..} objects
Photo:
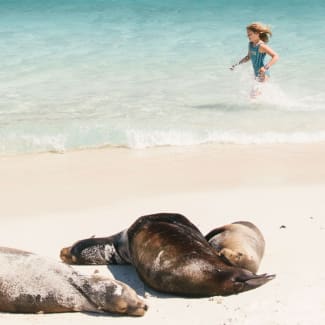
[
  {"x": 249, "y": 282},
  {"x": 260, "y": 280}
]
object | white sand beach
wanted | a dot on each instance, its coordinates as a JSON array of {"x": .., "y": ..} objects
[{"x": 49, "y": 201}]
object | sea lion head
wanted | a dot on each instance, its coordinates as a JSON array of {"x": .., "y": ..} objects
[
  {"x": 113, "y": 296},
  {"x": 106, "y": 250},
  {"x": 84, "y": 252}
]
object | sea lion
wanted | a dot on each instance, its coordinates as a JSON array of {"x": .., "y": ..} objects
[
  {"x": 240, "y": 243},
  {"x": 32, "y": 284},
  {"x": 170, "y": 255}
]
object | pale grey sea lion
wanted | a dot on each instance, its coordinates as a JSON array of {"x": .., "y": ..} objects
[
  {"x": 32, "y": 284},
  {"x": 241, "y": 243}
]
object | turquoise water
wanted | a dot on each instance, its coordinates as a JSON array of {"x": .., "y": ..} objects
[{"x": 143, "y": 73}]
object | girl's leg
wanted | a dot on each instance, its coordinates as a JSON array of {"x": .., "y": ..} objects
[{"x": 256, "y": 90}]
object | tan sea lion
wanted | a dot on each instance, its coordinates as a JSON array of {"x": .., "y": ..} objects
[
  {"x": 240, "y": 243},
  {"x": 32, "y": 284},
  {"x": 170, "y": 255}
]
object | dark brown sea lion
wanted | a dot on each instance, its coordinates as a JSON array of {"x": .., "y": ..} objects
[
  {"x": 240, "y": 243},
  {"x": 170, "y": 254},
  {"x": 32, "y": 284}
]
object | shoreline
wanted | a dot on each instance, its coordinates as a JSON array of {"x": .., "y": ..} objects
[{"x": 49, "y": 183}]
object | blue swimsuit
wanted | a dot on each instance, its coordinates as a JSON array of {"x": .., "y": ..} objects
[{"x": 257, "y": 58}]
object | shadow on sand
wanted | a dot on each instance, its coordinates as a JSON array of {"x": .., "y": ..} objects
[{"x": 129, "y": 275}]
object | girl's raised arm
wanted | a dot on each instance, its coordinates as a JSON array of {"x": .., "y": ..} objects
[{"x": 243, "y": 60}]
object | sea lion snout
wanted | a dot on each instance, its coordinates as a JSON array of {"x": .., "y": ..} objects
[
  {"x": 133, "y": 304},
  {"x": 66, "y": 256},
  {"x": 132, "y": 307},
  {"x": 138, "y": 310}
]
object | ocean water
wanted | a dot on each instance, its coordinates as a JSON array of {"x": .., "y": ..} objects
[{"x": 142, "y": 73}]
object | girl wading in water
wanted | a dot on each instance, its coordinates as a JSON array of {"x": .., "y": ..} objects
[{"x": 258, "y": 36}]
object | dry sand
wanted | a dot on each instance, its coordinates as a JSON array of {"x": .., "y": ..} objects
[{"x": 51, "y": 200}]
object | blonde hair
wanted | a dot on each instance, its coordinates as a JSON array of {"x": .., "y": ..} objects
[{"x": 263, "y": 30}]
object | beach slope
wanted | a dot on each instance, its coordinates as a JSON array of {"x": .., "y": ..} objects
[{"x": 49, "y": 201}]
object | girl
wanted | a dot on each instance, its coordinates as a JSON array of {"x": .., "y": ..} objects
[{"x": 258, "y": 36}]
